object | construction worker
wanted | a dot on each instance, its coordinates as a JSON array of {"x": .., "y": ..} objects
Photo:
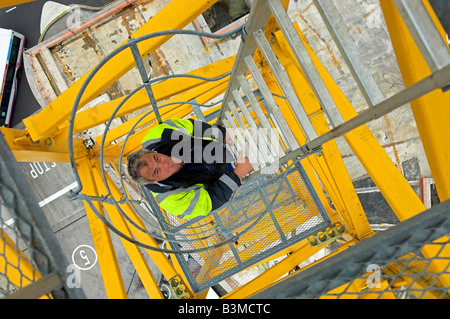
[{"x": 187, "y": 168}]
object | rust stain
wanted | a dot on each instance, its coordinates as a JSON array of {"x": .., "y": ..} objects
[
  {"x": 159, "y": 63},
  {"x": 130, "y": 14},
  {"x": 127, "y": 26},
  {"x": 67, "y": 73},
  {"x": 88, "y": 42}
]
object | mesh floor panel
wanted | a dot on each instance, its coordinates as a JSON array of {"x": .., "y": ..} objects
[{"x": 264, "y": 216}]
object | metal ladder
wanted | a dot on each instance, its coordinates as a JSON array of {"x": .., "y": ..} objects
[{"x": 234, "y": 110}]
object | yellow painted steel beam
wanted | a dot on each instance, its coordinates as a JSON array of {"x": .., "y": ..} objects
[
  {"x": 163, "y": 90},
  {"x": 107, "y": 259},
  {"x": 159, "y": 258},
  {"x": 396, "y": 190},
  {"x": 282, "y": 268},
  {"x": 175, "y": 15},
  {"x": 357, "y": 289},
  {"x": 24, "y": 150},
  {"x": 198, "y": 93},
  {"x": 432, "y": 111},
  {"x": 417, "y": 277},
  {"x": 8, "y": 3},
  {"x": 346, "y": 197},
  {"x": 14, "y": 265},
  {"x": 134, "y": 252},
  {"x": 394, "y": 187}
]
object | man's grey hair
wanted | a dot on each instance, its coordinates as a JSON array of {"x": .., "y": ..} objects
[{"x": 135, "y": 164}]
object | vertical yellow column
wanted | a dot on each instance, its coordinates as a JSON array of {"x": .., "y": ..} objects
[
  {"x": 432, "y": 111},
  {"x": 134, "y": 252},
  {"x": 350, "y": 205},
  {"x": 107, "y": 259}
]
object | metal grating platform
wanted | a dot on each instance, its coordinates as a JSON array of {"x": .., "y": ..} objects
[{"x": 265, "y": 215}]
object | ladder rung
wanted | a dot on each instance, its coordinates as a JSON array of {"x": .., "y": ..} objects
[
  {"x": 305, "y": 61},
  {"x": 282, "y": 137},
  {"x": 237, "y": 115},
  {"x": 249, "y": 137},
  {"x": 251, "y": 122},
  {"x": 240, "y": 102},
  {"x": 265, "y": 123},
  {"x": 248, "y": 148},
  {"x": 285, "y": 84},
  {"x": 271, "y": 104},
  {"x": 259, "y": 16},
  {"x": 253, "y": 102},
  {"x": 347, "y": 46},
  {"x": 226, "y": 123},
  {"x": 424, "y": 32}
]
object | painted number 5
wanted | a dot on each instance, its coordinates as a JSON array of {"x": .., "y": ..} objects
[{"x": 83, "y": 255}]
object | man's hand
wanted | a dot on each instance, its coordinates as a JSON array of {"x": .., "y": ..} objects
[{"x": 243, "y": 166}]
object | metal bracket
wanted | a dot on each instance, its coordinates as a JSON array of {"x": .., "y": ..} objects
[
  {"x": 178, "y": 288},
  {"x": 327, "y": 235},
  {"x": 89, "y": 143}
]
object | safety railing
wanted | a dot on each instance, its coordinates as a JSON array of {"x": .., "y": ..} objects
[
  {"x": 274, "y": 211},
  {"x": 32, "y": 264},
  {"x": 389, "y": 265},
  {"x": 259, "y": 220}
]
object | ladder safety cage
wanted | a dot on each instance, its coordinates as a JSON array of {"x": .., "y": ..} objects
[
  {"x": 291, "y": 205},
  {"x": 266, "y": 199},
  {"x": 271, "y": 211}
]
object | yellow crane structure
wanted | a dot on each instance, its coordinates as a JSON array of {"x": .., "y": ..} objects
[{"x": 276, "y": 85}]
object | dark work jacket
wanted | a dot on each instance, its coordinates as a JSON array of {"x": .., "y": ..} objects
[{"x": 214, "y": 174}]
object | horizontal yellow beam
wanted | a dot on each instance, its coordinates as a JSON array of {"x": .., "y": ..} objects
[
  {"x": 194, "y": 93},
  {"x": 163, "y": 90},
  {"x": 175, "y": 15},
  {"x": 24, "y": 150}
]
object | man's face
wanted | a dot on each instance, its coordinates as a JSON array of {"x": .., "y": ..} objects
[{"x": 159, "y": 167}]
